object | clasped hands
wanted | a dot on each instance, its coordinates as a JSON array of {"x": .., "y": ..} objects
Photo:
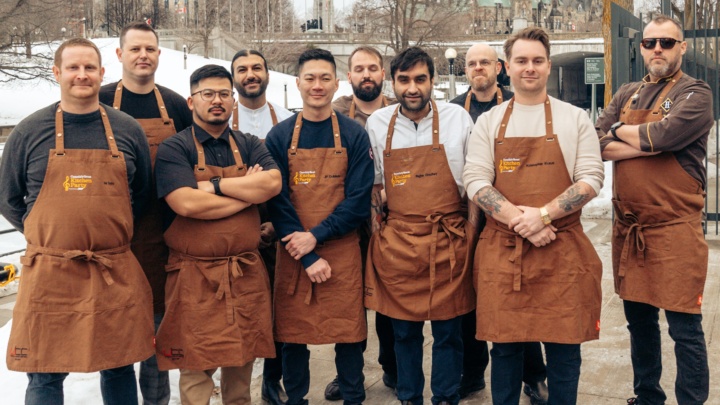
[
  {"x": 530, "y": 226},
  {"x": 298, "y": 244}
]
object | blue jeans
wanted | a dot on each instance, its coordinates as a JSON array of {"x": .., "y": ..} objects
[
  {"x": 692, "y": 383},
  {"x": 154, "y": 384},
  {"x": 563, "y": 372},
  {"x": 447, "y": 360},
  {"x": 349, "y": 363},
  {"x": 117, "y": 385}
]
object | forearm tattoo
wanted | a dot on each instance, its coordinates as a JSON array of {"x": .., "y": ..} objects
[
  {"x": 376, "y": 209},
  {"x": 573, "y": 199},
  {"x": 489, "y": 200}
]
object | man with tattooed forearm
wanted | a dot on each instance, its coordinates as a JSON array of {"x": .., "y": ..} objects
[{"x": 532, "y": 164}]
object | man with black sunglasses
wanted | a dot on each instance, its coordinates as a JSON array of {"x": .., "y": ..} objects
[{"x": 660, "y": 126}]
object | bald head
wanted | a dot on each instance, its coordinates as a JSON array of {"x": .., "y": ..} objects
[
  {"x": 482, "y": 68},
  {"x": 479, "y": 51}
]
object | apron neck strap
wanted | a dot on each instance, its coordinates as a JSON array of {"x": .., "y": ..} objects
[
  {"x": 236, "y": 118},
  {"x": 498, "y": 98},
  {"x": 298, "y": 126},
  {"x": 60, "y": 136},
  {"x": 670, "y": 83},
  {"x": 158, "y": 97},
  {"x": 435, "y": 128},
  {"x": 549, "y": 136},
  {"x": 201, "y": 151}
]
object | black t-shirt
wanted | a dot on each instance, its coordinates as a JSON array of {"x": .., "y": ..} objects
[
  {"x": 141, "y": 106},
  {"x": 477, "y": 108},
  {"x": 177, "y": 157},
  {"x": 25, "y": 158}
]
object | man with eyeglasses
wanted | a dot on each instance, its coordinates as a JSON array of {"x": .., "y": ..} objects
[
  {"x": 162, "y": 113},
  {"x": 482, "y": 67},
  {"x": 218, "y": 311},
  {"x": 656, "y": 133},
  {"x": 254, "y": 114}
]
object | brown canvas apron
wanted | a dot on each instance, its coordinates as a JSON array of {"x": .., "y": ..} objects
[
  {"x": 525, "y": 293},
  {"x": 236, "y": 116},
  {"x": 147, "y": 243},
  {"x": 84, "y": 303},
  {"x": 330, "y": 312},
  {"x": 416, "y": 267},
  {"x": 217, "y": 293},
  {"x": 498, "y": 99},
  {"x": 660, "y": 256}
]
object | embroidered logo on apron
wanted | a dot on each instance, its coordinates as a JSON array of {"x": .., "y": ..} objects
[
  {"x": 174, "y": 354},
  {"x": 19, "y": 353},
  {"x": 400, "y": 178},
  {"x": 666, "y": 105},
  {"x": 508, "y": 165},
  {"x": 77, "y": 183},
  {"x": 304, "y": 177}
]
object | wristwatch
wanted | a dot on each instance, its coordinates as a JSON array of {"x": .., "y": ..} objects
[
  {"x": 216, "y": 183},
  {"x": 614, "y": 127},
  {"x": 545, "y": 216}
]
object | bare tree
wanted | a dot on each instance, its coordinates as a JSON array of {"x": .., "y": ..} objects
[
  {"x": 404, "y": 22},
  {"x": 26, "y": 28}
]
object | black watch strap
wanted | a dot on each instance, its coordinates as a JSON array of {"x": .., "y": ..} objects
[
  {"x": 216, "y": 184},
  {"x": 614, "y": 127}
]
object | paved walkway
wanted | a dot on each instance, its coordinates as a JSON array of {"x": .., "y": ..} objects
[{"x": 606, "y": 373}]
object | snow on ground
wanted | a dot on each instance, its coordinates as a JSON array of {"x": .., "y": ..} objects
[{"x": 20, "y": 99}]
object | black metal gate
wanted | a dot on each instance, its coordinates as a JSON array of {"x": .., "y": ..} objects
[{"x": 701, "y": 61}]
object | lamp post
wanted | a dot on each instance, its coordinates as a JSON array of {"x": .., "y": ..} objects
[
  {"x": 450, "y": 55},
  {"x": 185, "y": 57},
  {"x": 63, "y": 30}
]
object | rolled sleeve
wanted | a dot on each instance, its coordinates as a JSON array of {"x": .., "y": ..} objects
[
  {"x": 588, "y": 164},
  {"x": 479, "y": 171}
]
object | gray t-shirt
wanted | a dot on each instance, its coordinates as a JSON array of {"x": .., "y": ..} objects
[{"x": 25, "y": 158}]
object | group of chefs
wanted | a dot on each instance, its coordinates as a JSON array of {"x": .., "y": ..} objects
[{"x": 206, "y": 232}]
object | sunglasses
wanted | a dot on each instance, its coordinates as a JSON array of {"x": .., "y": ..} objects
[{"x": 665, "y": 43}]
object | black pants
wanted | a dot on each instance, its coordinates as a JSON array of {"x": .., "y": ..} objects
[{"x": 692, "y": 383}]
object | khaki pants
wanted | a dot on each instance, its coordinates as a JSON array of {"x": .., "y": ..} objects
[{"x": 196, "y": 386}]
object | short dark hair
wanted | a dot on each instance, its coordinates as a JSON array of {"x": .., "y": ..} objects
[
  {"x": 72, "y": 42},
  {"x": 247, "y": 52},
  {"x": 530, "y": 34},
  {"x": 208, "y": 71},
  {"x": 366, "y": 49},
  {"x": 140, "y": 26},
  {"x": 662, "y": 19},
  {"x": 317, "y": 54},
  {"x": 410, "y": 57}
]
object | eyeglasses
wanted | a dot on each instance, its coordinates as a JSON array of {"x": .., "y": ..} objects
[
  {"x": 209, "y": 94},
  {"x": 665, "y": 43},
  {"x": 485, "y": 63}
]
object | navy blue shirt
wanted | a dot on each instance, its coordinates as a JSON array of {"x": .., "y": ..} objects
[
  {"x": 354, "y": 209},
  {"x": 177, "y": 157}
]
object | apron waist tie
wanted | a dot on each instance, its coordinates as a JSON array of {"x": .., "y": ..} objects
[
  {"x": 635, "y": 234},
  {"x": 99, "y": 258},
  {"x": 518, "y": 242},
  {"x": 295, "y": 282},
  {"x": 438, "y": 220},
  {"x": 233, "y": 268}
]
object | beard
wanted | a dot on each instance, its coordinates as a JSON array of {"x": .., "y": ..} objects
[
  {"x": 366, "y": 94},
  {"x": 252, "y": 94},
  {"x": 488, "y": 83},
  {"x": 663, "y": 70},
  {"x": 424, "y": 100}
]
